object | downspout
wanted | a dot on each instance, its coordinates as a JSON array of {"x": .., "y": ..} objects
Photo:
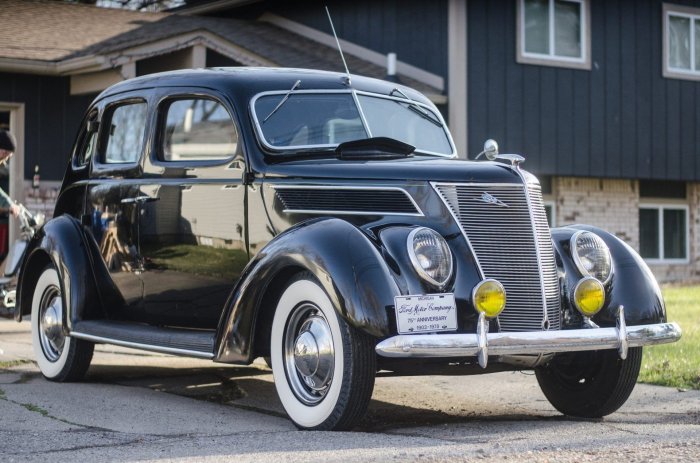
[{"x": 457, "y": 73}]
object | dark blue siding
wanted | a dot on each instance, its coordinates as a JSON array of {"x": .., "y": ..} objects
[
  {"x": 52, "y": 118},
  {"x": 621, "y": 119},
  {"x": 416, "y": 30}
]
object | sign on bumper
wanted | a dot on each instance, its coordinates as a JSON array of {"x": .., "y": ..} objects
[{"x": 426, "y": 313}]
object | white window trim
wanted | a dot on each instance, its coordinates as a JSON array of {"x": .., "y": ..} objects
[
  {"x": 684, "y": 12},
  {"x": 523, "y": 57},
  {"x": 553, "y": 205},
  {"x": 669, "y": 206}
]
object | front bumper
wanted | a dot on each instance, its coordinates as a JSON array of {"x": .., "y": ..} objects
[{"x": 483, "y": 344}]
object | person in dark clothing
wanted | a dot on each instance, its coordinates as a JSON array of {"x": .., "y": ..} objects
[{"x": 8, "y": 145}]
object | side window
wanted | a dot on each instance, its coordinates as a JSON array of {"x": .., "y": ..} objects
[
  {"x": 87, "y": 143},
  {"x": 127, "y": 125},
  {"x": 197, "y": 129}
]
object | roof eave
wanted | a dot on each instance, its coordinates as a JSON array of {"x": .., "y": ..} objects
[
  {"x": 28, "y": 66},
  {"x": 212, "y": 7}
]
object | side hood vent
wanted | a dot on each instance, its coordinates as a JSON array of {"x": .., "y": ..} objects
[{"x": 346, "y": 200}]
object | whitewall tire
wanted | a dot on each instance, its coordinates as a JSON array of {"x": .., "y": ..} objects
[
  {"x": 60, "y": 357},
  {"x": 323, "y": 368}
]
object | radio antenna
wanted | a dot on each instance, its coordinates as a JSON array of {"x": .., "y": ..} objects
[{"x": 330, "y": 20}]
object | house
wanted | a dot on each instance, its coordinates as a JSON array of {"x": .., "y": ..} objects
[{"x": 601, "y": 96}]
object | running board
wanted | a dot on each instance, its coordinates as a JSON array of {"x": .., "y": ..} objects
[{"x": 176, "y": 341}]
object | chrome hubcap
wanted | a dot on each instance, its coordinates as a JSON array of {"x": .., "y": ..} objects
[
  {"x": 50, "y": 324},
  {"x": 308, "y": 354}
]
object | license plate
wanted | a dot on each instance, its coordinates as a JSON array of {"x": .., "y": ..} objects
[{"x": 428, "y": 312}]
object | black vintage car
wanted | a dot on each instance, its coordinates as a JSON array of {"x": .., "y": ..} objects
[{"x": 322, "y": 221}]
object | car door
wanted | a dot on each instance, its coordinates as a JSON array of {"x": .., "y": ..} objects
[
  {"x": 110, "y": 214},
  {"x": 192, "y": 229}
]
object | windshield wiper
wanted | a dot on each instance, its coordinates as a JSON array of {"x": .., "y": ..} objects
[
  {"x": 286, "y": 97},
  {"x": 418, "y": 109},
  {"x": 379, "y": 148}
]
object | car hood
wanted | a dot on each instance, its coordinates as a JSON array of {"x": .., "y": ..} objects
[{"x": 421, "y": 169}]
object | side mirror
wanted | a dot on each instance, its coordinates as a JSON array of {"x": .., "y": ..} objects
[{"x": 490, "y": 150}]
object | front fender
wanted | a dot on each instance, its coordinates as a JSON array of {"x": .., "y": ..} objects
[
  {"x": 61, "y": 243},
  {"x": 344, "y": 260},
  {"x": 632, "y": 284}
]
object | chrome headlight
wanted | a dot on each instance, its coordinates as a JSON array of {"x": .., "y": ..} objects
[
  {"x": 591, "y": 255},
  {"x": 430, "y": 256}
]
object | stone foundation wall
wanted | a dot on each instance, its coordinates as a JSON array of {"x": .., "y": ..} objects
[{"x": 609, "y": 204}]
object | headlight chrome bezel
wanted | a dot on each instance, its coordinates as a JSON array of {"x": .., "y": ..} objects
[
  {"x": 577, "y": 259},
  {"x": 477, "y": 288},
  {"x": 416, "y": 264},
  {"x": 599, "y": 286}
]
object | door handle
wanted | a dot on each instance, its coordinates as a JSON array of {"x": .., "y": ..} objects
[{"x": 139, "y": 200}]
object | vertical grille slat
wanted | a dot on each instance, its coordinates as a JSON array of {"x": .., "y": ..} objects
[{"x": 506, "y": 238}]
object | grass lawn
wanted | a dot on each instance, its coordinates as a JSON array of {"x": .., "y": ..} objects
[{"x": 677, "y": 364}]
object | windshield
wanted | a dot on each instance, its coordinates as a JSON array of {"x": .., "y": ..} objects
[{"x": 308, "y": 120}]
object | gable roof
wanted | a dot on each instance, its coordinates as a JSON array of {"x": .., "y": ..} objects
[{"x": 54, "y": 34}]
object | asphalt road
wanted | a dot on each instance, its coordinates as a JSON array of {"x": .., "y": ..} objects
[{"x": 137, "y": 406}]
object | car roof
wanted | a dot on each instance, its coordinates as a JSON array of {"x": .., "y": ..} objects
[{"x": 249, "y": 81}]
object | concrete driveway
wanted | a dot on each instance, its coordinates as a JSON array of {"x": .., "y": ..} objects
[{"x": 138, "y": 406}]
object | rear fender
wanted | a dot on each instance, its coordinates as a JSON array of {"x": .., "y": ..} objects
[
  {"x": 632, "y": 284},
  {"x": 346, "y": 263}
]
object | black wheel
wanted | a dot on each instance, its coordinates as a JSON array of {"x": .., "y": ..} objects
[
  {"x": 323, "y": 368},
  {"x": 590, "y": 384},
  {"x": 60, "y": 357}
]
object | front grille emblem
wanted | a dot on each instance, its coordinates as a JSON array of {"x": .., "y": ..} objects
[{"x": 490, "y": 199}]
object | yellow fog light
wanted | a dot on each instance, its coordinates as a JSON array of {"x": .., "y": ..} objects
[
  {"x": 489, "y": 297},
  {"x": 589, "y": 296}
]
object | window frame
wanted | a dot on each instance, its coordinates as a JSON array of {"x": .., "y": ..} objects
[
  {"x": 553, "y": 205},
  {"x": 103, "y": 135},
  {"x": 670, "y": 9},
  {"x": 163, "y": 104},
  {"x": 660, "y": 207},
  {"x": 551, "y": 59},
  {"x": 93, "y": 115}
]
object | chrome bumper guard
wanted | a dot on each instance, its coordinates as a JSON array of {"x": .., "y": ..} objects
[{"x": 482, "y": 343}]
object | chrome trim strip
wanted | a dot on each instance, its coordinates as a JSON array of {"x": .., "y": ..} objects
[
  {"x": 362, "y": 114},
  {"x": 486, "y": 185},
  {"x": 527, "y": 342},
  {"x": 148, "y": 347},
  {"x": 538, "y": 253},
  {"x": 345, "y": 187}
]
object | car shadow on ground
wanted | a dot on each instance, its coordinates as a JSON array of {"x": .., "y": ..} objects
[{"x": 252, "y": 388}]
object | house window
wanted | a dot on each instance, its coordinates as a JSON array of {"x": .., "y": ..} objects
[
  {"x": 681, "y": 42},
  {"x": 554, "y": 33},
  {"x": 663, "y": 232},
  {"x": 550, "y": 211}
]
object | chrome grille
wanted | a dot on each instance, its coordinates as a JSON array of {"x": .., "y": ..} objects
[{"x": 501, "y": 234}]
